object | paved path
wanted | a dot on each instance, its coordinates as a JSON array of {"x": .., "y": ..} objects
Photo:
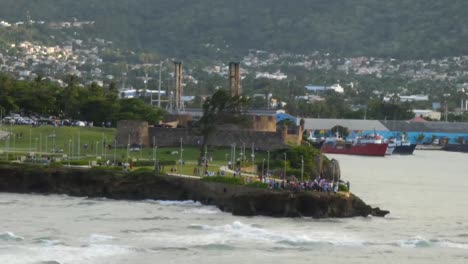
[{"x": 3, "y": 134}]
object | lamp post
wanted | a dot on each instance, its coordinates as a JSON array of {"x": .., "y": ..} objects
[
  {"x": 284, "y": 176},
  {"x": 263, "y": 168},
  {"x": 205, "y": 161},
  {"x": 29, "y": 138},
  {"x": 78, "y": 144},
  {"x": 234, "y": 155},
  {"x": 115, "y": 149},
  {"x": 302, "y": 168},
  {"x": 253, "y": 158},
  {"x": 103, "y": 145},
  {"x": 69, "y": 148},
  {"x": 154, "y": 148},
  {"x": 128, "y": 151},
  {"x": 7, "y": 146},
  {"x": 97, "y": 145},
  {"x": 181, "y": 156},
  {"x": 53, "y": 142},
  {"x": 268, "y": 162}
]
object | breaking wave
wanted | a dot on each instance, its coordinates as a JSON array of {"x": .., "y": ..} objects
[
  {"x": 186, "y": 203},
  {"x": 240, "y": 231},
  {"x": 10, "y": 236}
]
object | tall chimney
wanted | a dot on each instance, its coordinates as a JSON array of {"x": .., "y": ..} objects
[
  {"x": 234, "y": 78},
  {"x": 178, "y": 86}
]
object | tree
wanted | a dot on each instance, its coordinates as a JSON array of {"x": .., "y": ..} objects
[
  {"x": 136, "y": 109},
  {"x": 220, "y": 109},
  {"x": 341, "y": 130}
]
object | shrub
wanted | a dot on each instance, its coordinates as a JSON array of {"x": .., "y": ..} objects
[
  {"x": 55, "y": 165},
  {"x": 227, "y": 180},
  {"x": 342, "y": 188},
  {"x": 259, "y": 185}
]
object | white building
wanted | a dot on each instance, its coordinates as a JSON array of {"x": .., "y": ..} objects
[
  {"x": 319, "y": 88},
  {"x": 434, "y": 115}
]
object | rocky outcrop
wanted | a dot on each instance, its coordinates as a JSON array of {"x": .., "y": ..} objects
[
  {"x": 239, "y": 200},
  {"x": 332, "y": 170}
]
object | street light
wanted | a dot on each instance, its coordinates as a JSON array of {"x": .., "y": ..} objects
[
  {"x": 115, "y": 149},
  {"x": 97, "y": 145},
  {"x": 30, "y": 139},
  {"x": 268, "y": 162},
  {"x": 284, "y": 176},
  {"x": 302, "y": 168},
  {"x": 128, "y": 150},
  {"x": 181, "y": 157},
  {"x": 253, "y": 157},
  {"x": 263, "y": 168},
  {"x": 69, "y": 148}
]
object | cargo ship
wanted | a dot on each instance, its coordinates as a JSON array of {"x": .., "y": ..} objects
[
  {"x": 456, "y": 147},
  {"x": 402, "y": 147},
  {"x": 371, "y": 145}
]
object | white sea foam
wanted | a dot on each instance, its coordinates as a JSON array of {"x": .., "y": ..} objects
[
  {"x": 240, "y": 231},
  {"x": 10, "y": 236},
  {"x": 186, "y": 203},
  {"x": 208, "y": 210},
  {"x": 48, "y": 241},
  {"x": 97, "y": 238},
  {"x": 421, "y": 242},
  {"x": 63, "y": 254}
]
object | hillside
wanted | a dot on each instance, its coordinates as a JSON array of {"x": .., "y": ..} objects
[{"x": 181, "y": 28}]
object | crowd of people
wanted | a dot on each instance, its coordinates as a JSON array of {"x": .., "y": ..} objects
[{"x": 319, "y": 184}]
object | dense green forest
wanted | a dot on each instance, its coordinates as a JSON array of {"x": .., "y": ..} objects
[
  {"x": 91, "y": 103},
  {"x": 184, "y": 28}
]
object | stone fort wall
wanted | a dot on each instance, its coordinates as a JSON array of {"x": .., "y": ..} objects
[
  {"x": 167, "y": 137},
  {"x": 139, "y": 133},
  {"x": 132, "y": 132}
]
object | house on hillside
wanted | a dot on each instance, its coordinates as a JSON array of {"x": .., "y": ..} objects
[{"x": 319, "y": 88}]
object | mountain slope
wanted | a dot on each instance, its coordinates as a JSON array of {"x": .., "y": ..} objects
[{"x": 397, "y": 28}]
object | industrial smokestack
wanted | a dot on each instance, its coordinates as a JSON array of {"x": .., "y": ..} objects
[{"x": 234, "y": 78}]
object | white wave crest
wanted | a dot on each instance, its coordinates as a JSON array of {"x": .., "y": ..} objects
[
  {"x": 97, "y": 238},
  {"x": 63, "y": 254},
  {"x": 421, "y": 242},
  {"x": 209, "y": 210},
  {"x": 240, "y": 231},
  {"x": 10, "y": 236},
  {"x": 186, "y": 203}
]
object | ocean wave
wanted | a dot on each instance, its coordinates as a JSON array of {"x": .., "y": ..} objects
[
  {"x": 10, "y": 236},
  {"x": 97, "y": 238},
  {"x": 64, "y": 254},
  {"x": 240, "y": 231},
  {"x": 185, "y": 203},
  {"x": 48, "y": 241},
  {"x": 203, "y": 211},
  {"x": 421, "y": 242},
  {"x": 417, "y": 242},
  {"x": 149, "y": 230}
]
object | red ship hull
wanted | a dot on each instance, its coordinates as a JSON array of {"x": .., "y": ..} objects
[{"x": 368, "y": 149}]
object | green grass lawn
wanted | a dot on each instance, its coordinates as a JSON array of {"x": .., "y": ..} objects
[
  {"x": 71, "y": 141},
  {"x": 64, "y": 139}
]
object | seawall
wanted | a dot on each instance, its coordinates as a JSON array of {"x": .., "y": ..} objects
[{"x": 239, "y": 200}]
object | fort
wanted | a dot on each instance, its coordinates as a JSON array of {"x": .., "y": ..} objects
[{"x": 262, "y": 132}]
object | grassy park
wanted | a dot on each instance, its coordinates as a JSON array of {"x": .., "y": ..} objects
[{"x": 68, "y": 144}]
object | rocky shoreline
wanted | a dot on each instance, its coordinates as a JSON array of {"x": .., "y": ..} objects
[{"x": 239, "y": 200}]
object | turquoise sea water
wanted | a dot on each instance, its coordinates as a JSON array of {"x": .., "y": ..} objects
[{"x": 427, "y": 194}]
